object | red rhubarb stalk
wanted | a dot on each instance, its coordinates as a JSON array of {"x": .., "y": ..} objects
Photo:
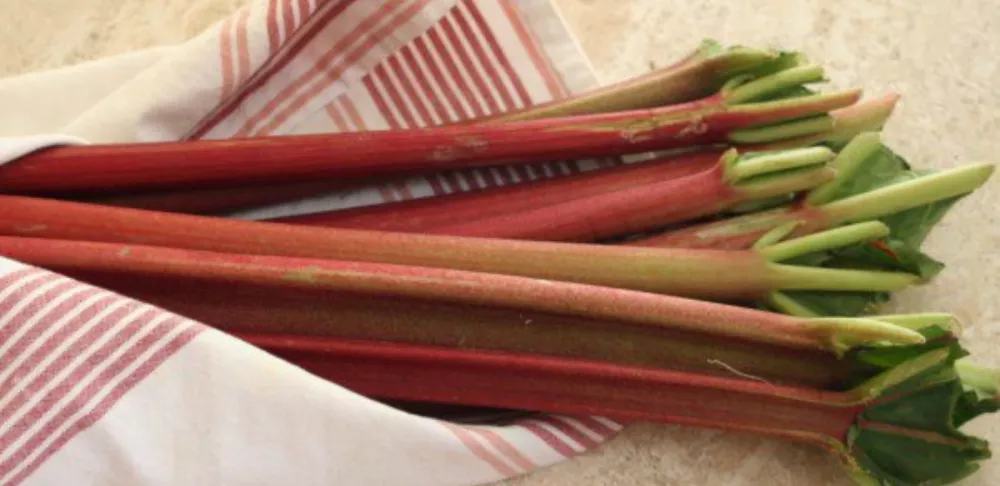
[
  {"x": 731, "y": 182},
  {"x": 567, "y": 386},
  {"x": 848, "y": 122},
  {"x": 266, "y": 294},
  {"x": 418, "y": 215},
  {"x": 896, "y": 428},
  {"x": 723, "y": 275},
  {"x": 731, "y": 116},
  {"x": 699, "y": 74},
  {"x": 425, "y": 213}
]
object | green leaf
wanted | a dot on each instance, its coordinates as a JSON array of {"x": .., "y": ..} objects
[
  {"x": 972, "y": 404},
  {"x": 890, "y": 254},
  {"x": 882, "y": 168},
  {"x": 909, "y": 434},
  {"x": 908, "y": 228},
  {"x": 899, "y": 252}
]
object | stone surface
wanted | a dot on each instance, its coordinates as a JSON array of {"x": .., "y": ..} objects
[{"x": 941, "y": 55}]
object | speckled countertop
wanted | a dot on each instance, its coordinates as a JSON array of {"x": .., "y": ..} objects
[{"x": 941, "y": 55}]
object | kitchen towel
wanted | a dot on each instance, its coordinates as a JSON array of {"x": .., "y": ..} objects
[{"x": 96, "y": 388}]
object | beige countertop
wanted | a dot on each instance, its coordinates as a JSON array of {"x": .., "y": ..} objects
[{"x": 941, "y": 55}]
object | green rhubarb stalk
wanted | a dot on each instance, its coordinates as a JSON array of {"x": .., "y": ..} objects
[{"x": 710, "y": 274}]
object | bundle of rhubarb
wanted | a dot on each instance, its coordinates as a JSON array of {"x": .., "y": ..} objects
[{"x": 726, "y": 269}]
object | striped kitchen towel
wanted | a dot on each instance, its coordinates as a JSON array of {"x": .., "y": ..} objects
[{"x": 96, "y": 388}]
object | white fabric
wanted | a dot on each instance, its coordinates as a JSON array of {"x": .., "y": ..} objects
[
  {"x": 12, "y": 148},
  {"x": 98, "y": 389}
]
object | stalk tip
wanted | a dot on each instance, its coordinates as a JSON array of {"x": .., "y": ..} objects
[
  {"x": 825, "y": 240},
  {"x": 927, "y": 189},
  {"x": 845, "y": 333},
  {"x": 776, "y": 235},
  {"x": 985, "y": 381},
  {"x": 920, "y": 321},
  {"x": 774, "y": 83},
  {"x": 801, "y": 277},
  {"x": 875, "y": 386}
]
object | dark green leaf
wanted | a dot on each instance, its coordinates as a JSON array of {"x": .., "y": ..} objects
[
  {"x": 881, "y": 168},
  {"x": 909, "y": 435},
  {"x": 971, "y": 405}
]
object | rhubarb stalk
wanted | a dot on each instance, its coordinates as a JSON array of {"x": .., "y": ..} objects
[
  {"x": 899, "y": 427},
  {"x": 847, "y": 122},
  {"x": 736, "y": 113},
  {"x": 281, "y": 295},
  {"x": 698, "y": 74},
  {"x": 711, "y": 274},
  {"x": 733, "y": 181},
  {"x": 425, "y": 213}
]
